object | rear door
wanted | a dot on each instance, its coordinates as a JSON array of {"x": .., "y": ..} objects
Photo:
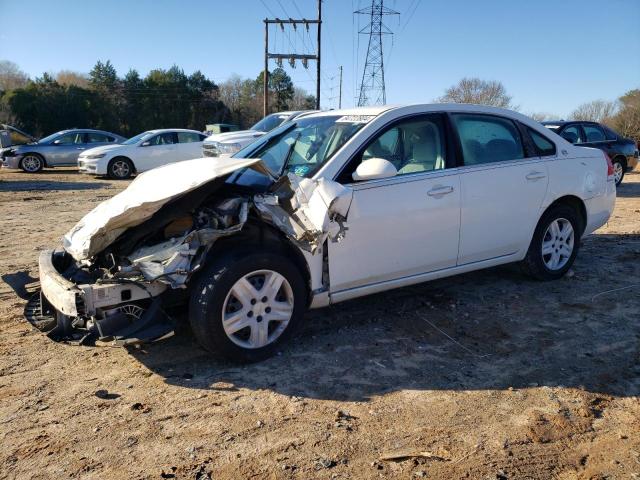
[
  {"x": 407, "y": 224},
  {"x": 503, "y": 185},
  {"x": 160, "y": 149}
]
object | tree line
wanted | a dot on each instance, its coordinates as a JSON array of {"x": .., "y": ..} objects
[
  {"x": 171, "y": 99},
  {"x": 131, "y": 104}
]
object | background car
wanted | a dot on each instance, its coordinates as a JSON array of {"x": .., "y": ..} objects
[
  {"x": 623, "y": 152},
  {"x": 232, "y": 142},
  {"x": 145, "y": 151},
  {"x": 57, "y": 150}
]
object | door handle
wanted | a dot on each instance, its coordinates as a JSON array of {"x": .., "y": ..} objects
[
  {"x": 439, "y": 191},
  {"x": 80, "y": 148},
  {"x": 536, "y": 176}
]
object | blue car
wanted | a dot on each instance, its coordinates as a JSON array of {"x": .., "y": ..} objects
[{"x": 57, "y": 150}]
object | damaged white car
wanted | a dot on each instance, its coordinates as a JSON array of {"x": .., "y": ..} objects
[{"x": 326, "y": 208}]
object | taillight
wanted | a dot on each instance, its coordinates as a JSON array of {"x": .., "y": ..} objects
[{"x": 609, "y": 165}]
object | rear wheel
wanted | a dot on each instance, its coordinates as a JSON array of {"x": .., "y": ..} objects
[
  {"x": 555, "y": 244},
  {"x": 619, "y": 167},
  {"x": 32, "y": 163},
  {"x": 120, "y": 168},
  {"x": 245, "y": 306}
]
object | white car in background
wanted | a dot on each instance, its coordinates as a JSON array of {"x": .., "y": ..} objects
[
  {"x": 145, "y": 151},
  {"x": 232, "y": 142}
]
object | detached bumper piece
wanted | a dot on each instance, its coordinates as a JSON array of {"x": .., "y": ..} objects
[
  {"x": 126, "y": 325},
  {"x": 117, "y": 313}
]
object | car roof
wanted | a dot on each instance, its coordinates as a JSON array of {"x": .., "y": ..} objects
[
  {"x": 87, "y": 130},
  {"x": 168, "y": 130}
]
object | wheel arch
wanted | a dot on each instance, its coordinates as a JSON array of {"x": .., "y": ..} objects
[
  {"x": 133, "y": 165},
  {"x": 257, "y": 234},
  {"x": 622, "y": 158},
  {"x": 576, "y": 203}
]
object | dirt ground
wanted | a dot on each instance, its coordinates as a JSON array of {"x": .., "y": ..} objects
[{"x": 487, "y": 375}]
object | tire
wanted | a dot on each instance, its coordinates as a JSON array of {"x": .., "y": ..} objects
[
  {"x": 253, "y": 330},
  {"x": 120, "y": 168},
  {"x": 32, "y": 163},
  {"x": 540, "y": 265},
  {"x": 619, "y": 167}
]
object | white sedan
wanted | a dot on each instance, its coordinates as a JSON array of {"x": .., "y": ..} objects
[
  {"x": 328, "y": 207},
  {"x": 145, "y": 151}
]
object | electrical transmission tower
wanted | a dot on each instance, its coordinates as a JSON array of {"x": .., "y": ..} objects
[{"x": 372, "y": 91}]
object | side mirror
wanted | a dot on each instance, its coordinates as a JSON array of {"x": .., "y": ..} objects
[
  {"x": 56, "y": 142},
  {"x": 374, "y": 168},
  {"x": 145, "y": 144}
]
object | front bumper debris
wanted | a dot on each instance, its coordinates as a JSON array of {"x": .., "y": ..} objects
[{"x": 96, "y": 314}]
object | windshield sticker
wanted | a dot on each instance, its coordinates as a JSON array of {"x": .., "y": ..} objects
[
  {"x": 356, "y": 119},
  {"x": 301, "y": 170}
]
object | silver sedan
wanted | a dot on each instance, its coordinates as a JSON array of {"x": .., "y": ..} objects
[{"x": 57, "y": 150}]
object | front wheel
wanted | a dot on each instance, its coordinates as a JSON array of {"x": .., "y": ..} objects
[
  {"x": 32, "y": 163},
  {"x": 618, "y": 170},
  {"x": 120, "y": 168},
  {"x": 245, "y": 306},
  {"x": 555, "y": 244}
]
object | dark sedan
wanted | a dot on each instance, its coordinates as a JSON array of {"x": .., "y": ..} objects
[{"x": 622, "y": 151}]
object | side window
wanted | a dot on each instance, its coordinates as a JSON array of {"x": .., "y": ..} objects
[
  {"x": 97, "y": 138},
  {"x": 412, "y": 146},
  {"x": 162, "y": 139},
  {"x": 544, "y": 146},
  {"x": 189, "y": 137},
  {"x": 593, "y": 133},
  {"x": 572, "y": 134},
  {"x": 610, "y": 134},
  {"x": 488, "y": 139},
  {"x": 70, "y": 139}
]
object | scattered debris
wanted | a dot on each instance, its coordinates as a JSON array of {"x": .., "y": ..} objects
[
  {"x": 400, "y": 455},
  {"x": 105, "y": 395}
]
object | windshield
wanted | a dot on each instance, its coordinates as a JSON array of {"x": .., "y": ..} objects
[
  {"x": 137, "y": 138},
  {"x": 300, "y": 147},
  {"x": 269, "y": 122},
  {"x": 50, "y": 138}
]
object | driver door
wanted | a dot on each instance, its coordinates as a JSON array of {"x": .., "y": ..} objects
[
  {"x": 158, "y": 150},
  {"x": 405, "y": 225},
  {"x": 66, "y": 149}
]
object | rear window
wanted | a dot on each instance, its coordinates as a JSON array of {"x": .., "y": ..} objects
[
  {"x": 487, "y": 139},
  {"x": 544, "y": 146}
]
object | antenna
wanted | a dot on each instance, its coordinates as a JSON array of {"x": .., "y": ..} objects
[{"x": 372, "y": 89}]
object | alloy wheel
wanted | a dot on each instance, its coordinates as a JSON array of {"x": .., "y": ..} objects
[
  {"x": 618, "y": 171},
  {"x": 121, "y": 169},
  {"x": 557, "y": 244},
  {"x": 31, "y": 163},
  {"x": 257, "y": 309}
]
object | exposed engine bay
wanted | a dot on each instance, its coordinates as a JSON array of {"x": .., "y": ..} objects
[{"x": 134, "y": 255}]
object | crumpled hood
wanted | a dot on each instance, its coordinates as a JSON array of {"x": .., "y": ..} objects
[
  {"x": 145, "y": 196},
  {"x": 232, "y": 137}
]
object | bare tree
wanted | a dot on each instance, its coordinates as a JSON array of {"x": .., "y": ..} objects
[
  {"x": 302, "y": 100},
  {"x": 596, "y": 111},
  {"x": 543, "y": 116},
  {"x": 11, "y": 77},
  {"x": 69, "y": 77},
  {"x": 478, "y": 91},
  {"x": 231, "y": 92},
  {"x": 627, "y": 121}
]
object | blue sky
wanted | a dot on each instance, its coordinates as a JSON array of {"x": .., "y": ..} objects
[{"x": 551, "y": 55}]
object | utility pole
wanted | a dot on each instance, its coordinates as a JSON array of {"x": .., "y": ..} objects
[
  {"x": 290, "y": 57},
  {"x": 340, "y": 90},
  {"x": 372, "y": 88}
]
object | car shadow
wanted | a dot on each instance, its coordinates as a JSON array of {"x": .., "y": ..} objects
[
  {"x": 627, "y": 189},
  {"x": 491, "y": 329},
  {"x": 48, "y": 185}
]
